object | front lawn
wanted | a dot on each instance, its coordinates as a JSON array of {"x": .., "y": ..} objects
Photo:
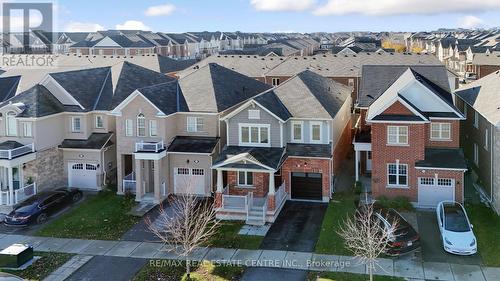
[
  {"x": 227, "y": 237},
  {"x": 329, "y": 242},
  {"x": 341, "y": 276},
  {"x": 42, "y": 267},
  {"x": 174, "y": 271},
  {"x": 487, "y": 230},
  {"x": 102, "y": 217}
]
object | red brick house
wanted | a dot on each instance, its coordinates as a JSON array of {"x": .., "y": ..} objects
[{"x": 407, "y": 135}]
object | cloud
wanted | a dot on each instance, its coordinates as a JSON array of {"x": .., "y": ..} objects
[
  {"x": 282, "y": 5},
  {"x": 471, "y": 22},
  {"x": 160, "y": 10},
  {"x": 132, "y": 25},
  {"x": 75, "y": 26},
  {"x": 17, "y": 20},
  {"x": 399, "y": 7}
]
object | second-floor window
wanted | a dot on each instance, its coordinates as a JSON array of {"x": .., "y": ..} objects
[
  {"x": 76, "y": 124},
  {"x": 486, "y": 139},
  {"x": 27, "y": 130},
  {"x": 397, "y": 174},
  {"x": 11, "y": 124},
  {"x": 254, "y": 135},
  {"x": 141, "y": 125},
  {"x": 129, "y": 127},
  {"x": 476, "y": 154},
  {"x": 476, "y": 119},
  {"x": 315, "y": 131},
  {"x": 99, "y": 122},
  {"x": 397, "y": 135},
  {"x": 194, "y": 124},
  {"x": 153, "y": 128},
  {"x": 297, "y": 131},
  {"x": 440, "y": 131}
]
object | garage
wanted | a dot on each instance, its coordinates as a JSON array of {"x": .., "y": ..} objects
[
  {"x": 189, "y": 180},
  {"x": 431, "y": 191},
  {"x": 82, "y": 175},
  {"x": 306, "y": 186}
]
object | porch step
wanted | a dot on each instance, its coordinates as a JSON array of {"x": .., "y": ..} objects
[
  {"x": 255, "y": 221},
  {"x": 255, "y": 213}
]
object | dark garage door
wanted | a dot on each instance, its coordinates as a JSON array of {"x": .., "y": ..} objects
[{"x": 306, "y": 186}]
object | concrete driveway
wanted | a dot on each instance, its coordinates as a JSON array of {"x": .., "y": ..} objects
[
  {"x": 432, "y": 248},
  {"x": 296, "y": 228},
  {"x": 108, "y": 268}
]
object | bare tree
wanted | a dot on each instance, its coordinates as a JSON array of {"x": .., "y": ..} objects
[
  {"x": 187, "y": 225},
  {"x": 366, "y": 237}
]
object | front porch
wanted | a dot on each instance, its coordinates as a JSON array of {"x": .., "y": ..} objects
[{"x": 363, "y": 153}]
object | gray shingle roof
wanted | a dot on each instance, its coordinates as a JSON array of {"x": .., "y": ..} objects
[
  {"x": 8, "y": 86},
  {"x": 168, "y": 65},
  {"x": 310, "y": 95},
  {"x": 377, "y": 78},
  {"x": 271, "y": 102},
  {"x": 95, "y": 141},
  {"x": 193, "y": 144},
  {"x": 268, "y": 156},
  {"x": 167, "y": 97},
  {"x": 214, "y": 88},
  {"x": 38, "y": 102},
  {"x": 309, "y": 150},
  {"x": 452, "y": 158}
]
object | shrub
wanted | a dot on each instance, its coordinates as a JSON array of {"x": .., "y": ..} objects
[
  {"x": 400, "y": 203},
  {"x": 358, "y": 187}
]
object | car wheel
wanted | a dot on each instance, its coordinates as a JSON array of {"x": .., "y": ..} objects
[
  {"x": 76, "y": 197},
  {"x": 41, "y": 218}
]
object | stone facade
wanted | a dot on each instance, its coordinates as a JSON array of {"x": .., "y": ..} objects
[{"x": 47, "y": 169}]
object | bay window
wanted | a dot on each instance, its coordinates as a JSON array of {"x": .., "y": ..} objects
[
  {"x": 397, "y": 174},
  {"x": 397, "y": 135},
  {"x": 254, "y": 134}
]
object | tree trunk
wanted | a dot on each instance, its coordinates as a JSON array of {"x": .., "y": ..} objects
[
  {"x": 370, "y": 271},
  {"x": 188, "y": 269}
]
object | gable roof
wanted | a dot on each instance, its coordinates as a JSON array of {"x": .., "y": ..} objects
[
  {"x": 483, "y": 96},
  {"x": 167, "y": 97},
  {"x": 8, "y": 87},
  {"x": 214, "y": 88},
  {"x": 271, "y": 102},
  {"x": 376, "y": 79},
  {"x": 37, "y": 101},
  {"x": 310, "y": 95}
]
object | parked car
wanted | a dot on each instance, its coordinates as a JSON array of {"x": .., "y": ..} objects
[
  {"x": 456, "y": 229},
  {"x": 405, "y": 238},
  {"x": 39, "y": 207}
]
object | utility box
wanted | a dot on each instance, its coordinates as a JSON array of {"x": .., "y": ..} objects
[{"x": 16, "y": 255}]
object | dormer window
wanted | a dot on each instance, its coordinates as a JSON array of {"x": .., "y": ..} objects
[
  {"x": 141, "y": 125},
  {"x": 11, "y": 124}
]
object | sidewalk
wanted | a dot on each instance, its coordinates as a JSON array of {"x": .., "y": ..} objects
[{"x": 259, "y": 258}]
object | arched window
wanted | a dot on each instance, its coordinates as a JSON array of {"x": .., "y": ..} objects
[
  {"x": 11, "y": 123},
  {"x": 141, "y": 125}
]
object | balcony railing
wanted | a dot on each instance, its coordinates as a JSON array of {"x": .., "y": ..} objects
[
  {"x": 129, "y": 183},
  {"x": 15, "y": 152},
  {"x": 149, "y": 146}
]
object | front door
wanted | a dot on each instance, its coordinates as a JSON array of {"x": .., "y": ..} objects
[{"x": 368, "y": 161}]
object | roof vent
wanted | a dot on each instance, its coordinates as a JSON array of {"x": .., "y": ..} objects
[
  {"x": 370, "y": 96},
  {"x": 324, "y": 56},
  {"x": 366, "y": 53},
  {"x": 392, "y": 54}
]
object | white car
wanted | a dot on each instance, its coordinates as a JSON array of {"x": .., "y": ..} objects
[{"x": 455, "y": 228}]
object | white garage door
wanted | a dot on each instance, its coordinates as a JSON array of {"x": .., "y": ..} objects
[
  {"x": 82, "y": 175},
  {"x": 189, "y": 180},
  {"x": 431, "y": 191}
]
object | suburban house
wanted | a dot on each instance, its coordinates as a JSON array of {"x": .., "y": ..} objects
[
  {"x": 114, "y": 45},
  {"x": 59, "y": 133},
  {"x": 408, "y": 135},
  {"x": 485, "y": 63},
  {"x": 169, "y": 134},
  {"x": 480, "y": 137},
  {"x": 286, "y": 143}
]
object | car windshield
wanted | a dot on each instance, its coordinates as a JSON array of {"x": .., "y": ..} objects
[
  {"x": 27, "y": 207},
  {"x": 455, "y": 219}
]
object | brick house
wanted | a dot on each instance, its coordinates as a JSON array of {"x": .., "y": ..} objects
[
  {"x": 280, "y": 148},
  {"x": 407, "y": 135}
]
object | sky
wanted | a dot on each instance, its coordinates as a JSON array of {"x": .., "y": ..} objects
[{"x": 274, "y": 15}]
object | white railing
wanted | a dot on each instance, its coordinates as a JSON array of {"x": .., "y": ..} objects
[
  {"x": 13, "y": 153},
  {"x": 264, "y": 210},
  {"x": 149, "y": 146},
  {"x": 129, "y": 183},
  {"x": 24, "y": 193},
  {"x": 234, "y": 202},
  {"x": 4, "y": 197},
  {"x": 280, "y": 195}
]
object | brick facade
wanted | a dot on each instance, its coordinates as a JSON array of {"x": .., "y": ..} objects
[
  {"x": 260, "y": 184},
  {"x": 307, "y": 165},
  {"x": 342, "y": 148}
]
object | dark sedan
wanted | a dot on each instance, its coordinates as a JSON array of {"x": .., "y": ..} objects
[
  {"x": 39, "y": 207},
  {"x": 405, "y": 238}
]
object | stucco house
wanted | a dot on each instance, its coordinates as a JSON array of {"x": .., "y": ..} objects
[
  {"x": 407, "y": 138},
  {"x": 480, "y": 139}
]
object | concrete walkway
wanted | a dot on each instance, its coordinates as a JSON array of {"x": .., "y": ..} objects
[
  {"x": 68, "y": 268},
  {"x": 259, "y": 258}
]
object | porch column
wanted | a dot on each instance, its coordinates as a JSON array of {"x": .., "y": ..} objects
[
  {"x": 271, "y": 202},
  {"x": 11, "y": 185},
  {"x": 156, "y": 178},
  {"x": 220, "y": 187},
  {"x": 138, "y": 180},
  {"x": 356, "y": 163}
]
